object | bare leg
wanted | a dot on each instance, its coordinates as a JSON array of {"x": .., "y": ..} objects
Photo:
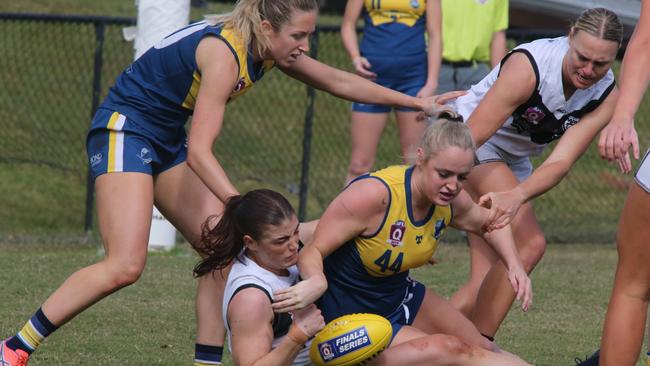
[
  {"x": 488, "y": 295},
  {"x": 413, "y": 347},
  {"x": 628, "y": 306},
  {"x": 186, "y": 202},
  {"x": 124, "y": 204},
  {"x": 496, "y": 295},
  {"x": 437, "y": 315},
  {"x": 410, "y": 133},
  {"x": 365, "y": 132}
]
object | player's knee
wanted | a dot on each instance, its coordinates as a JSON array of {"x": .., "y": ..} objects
[
  {"x": 124, "y": 273},
  {"x": 442, "y": 348},
  {"x": 533, "y": 251},
  {"x": 359, "y": 166}
]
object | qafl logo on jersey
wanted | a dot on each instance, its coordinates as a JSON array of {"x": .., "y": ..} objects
[
  {"x": 396, "y": 234},
  {"x": 241, "y": 84},
  {"x": 534, "y": 114},
  {"x": 415, "y": 4}
]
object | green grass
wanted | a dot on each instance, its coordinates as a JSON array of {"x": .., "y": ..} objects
[{"x": 152, "y": 322}]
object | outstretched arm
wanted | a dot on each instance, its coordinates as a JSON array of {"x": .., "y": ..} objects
[
  {"x": 471, "y": 217},
  {"x": 355, "y": 88},
  {"x": 574, "y": 142},
  {"x": 620, "y": 134}
]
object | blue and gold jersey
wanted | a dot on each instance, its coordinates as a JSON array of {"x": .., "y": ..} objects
[
  {"x": 158, "y": 91},
  {"x": 369, "y": 273},
  {"x": 394, "y": 27}
]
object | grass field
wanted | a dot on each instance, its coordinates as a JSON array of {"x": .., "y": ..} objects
[{"x": 152, "y": 322}]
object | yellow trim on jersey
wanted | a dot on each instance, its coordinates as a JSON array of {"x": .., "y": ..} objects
[
  {"x": 190, "y": 99},
  {"x": 402, "y": 11},
  {"x": 401, "y": 244},
  {"x": 244, "y": 80}
]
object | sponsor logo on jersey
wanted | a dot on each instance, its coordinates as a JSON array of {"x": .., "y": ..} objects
[
  {"x": 95, "y": 159},
  {"x": 340, "y": 346},
  {"x": 570, "y": 121},
  {"x": 440, "y": 226},
  {"x": 396, "y": 234},
  {"x": 241, "y": 84}
]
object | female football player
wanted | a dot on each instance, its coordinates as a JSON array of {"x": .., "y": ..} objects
[
  {"x": 141, "y": 156},
  {"x": 385, "y": 223},
  {"x": 258, "y": 235},
  {"x": 550, "y": 89}
]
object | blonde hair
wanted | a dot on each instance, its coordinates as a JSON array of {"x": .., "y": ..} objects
[
  {"x": 446, "y": 129},
  {"x": 247, "y": 16},
  {"x": 601, "y": 23}
]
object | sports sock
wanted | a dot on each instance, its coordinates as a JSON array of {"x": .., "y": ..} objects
[
  {"x": 33, "y": 333},
  {"x": 205, "y": 355}
]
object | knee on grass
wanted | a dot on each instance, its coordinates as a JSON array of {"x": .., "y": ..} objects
[{"x": 444, "y": 349}]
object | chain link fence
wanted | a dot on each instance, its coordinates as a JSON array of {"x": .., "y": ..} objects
[{"x": 284, "y": 135}]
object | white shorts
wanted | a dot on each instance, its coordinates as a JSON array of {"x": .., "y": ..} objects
[
  {"x": 642, "y": 176},
  {"x": 521, "y": 167}
]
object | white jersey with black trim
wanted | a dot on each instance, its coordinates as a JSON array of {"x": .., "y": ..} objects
[
  {"x": 246, "y": 273},
  {"x": 547, "y": 114}
]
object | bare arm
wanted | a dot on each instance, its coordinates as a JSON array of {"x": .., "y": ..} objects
[
  {"x": 497, "y": 47},
  {"x": 434, "y": 47},
  {"x": 355, "y": 88},
  {"x": 515, "y": 85},
  {"x": 218, "y": 77},
  {"x": 571, "y": 146},
  {"x": 471, "y": 217},
  {"x": 356, "y": 210},
  {"x": 616, "y": 138},
  {"x": 250, "y": 318}
]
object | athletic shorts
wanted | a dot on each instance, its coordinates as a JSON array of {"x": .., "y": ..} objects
[
  {"x": 521, "y": 167},
  {"x": 461, "y": 78},
  {"x": 642, "y": 176},
  {"x": 406, "y": 312},
  {"x": 403, "y": 74},
  {"x": 114, "y": 149}
]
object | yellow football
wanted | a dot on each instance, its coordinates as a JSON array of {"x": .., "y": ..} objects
[{"x": 351, "y": 340}]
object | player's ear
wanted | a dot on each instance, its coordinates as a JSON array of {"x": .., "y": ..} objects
[
  {"x": 419, "y": 156},
  {"x": 249, "y": 243}
]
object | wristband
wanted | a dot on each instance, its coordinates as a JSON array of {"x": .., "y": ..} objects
[{"x": 297, "y": 335}]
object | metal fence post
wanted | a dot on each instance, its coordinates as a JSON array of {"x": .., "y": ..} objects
[
  {"x": 307, "y": 136},
  {"x": 97, "y": 79}
]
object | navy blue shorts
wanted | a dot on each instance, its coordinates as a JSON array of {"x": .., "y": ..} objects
[
  {"x": 406, "y": 312},
  {"x": 403, "y": 74},
  {"x": 115, "y": 148}
]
